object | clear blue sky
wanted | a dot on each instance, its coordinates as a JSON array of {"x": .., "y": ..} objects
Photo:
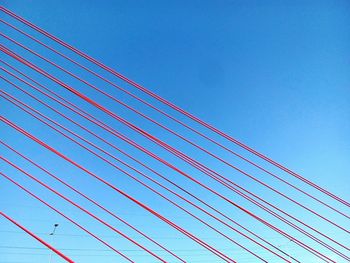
[{"x": 274, "y": 75}]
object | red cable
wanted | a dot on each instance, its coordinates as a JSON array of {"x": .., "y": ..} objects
[
  {"x": 275, "y": 214},
  {"x": 154, "y": 139},
  {"x": 192, "y": 179},
  {"x": 285, "y": 220},
  {"x": 176, "y": 120},
  {"x": 69, "y": 219},
  {"x": 197, "y": 240},
  {"x": 154, "y": 181},
  {"x": 37, "y": 238},
  {"x": 95, "y": 121},
  {"x": 222, "y": 179},
  {"x": 89, "y": 199},
  {"x": 173, "y": 106},
  {"x": 169, "y": 148},
  {"x": 228, "y": 200},
  {"x": 84, "y": 210},
  {"x": 134, "y": 178},
  {"x": 180, "y": 136},
  {"x": 237, "y": 191},
  {"x": 191, "y": 161}
]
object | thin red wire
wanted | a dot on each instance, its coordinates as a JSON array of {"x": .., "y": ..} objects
[
  {"x": 84, "y": 210},
  {"x": 191, "y": 179},
  {"x": 127, "y": 173},
  {"x": 172, "y": 105},
  {"x": 228, "y": 200},
  {"x": 157, "y": 141},
  {"x": 154, "y": 181},
  {"x": 36, "y": 237},
  {"x": 66, "y": 217},
  {"x": 90, "y": 199},
  {"x": 178, "y": 121},
  {"x": 152, "y": 189},
  {"x": 95, "y": 121},
  {"x": 168, "y": 147},
  {"x": 284, "y": 220},
  {"x": 194, "y": 238},
  {"x": 245, "y": 196}
]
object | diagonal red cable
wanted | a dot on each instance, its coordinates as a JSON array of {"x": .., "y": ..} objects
[
  {"x": 66, "y": 217},
  {"x": 169, "y": 148},
  {"x": 36, "y": 237},
  {"x": 173, "y": 106},
  {"x": 178, "y": 121},
  {"x": 299, "y": 241},
  {"x": 154, "y": 181},
  {"x": 95, "y": 121},
  {"x": 134, "y": 178},
  {"x": 240, "y": 193},
  {"x": 188, "y": 234},
  {"x": 84, "y": 210},
  {"x": 231, "y": 202},
  {"x": 157, "y": 141},
  {"x": 91, "y": 200},
  {"x": 281, "y": 218}
]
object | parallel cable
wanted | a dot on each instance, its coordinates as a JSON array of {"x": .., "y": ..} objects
[
  {"x": 240, "y": 193},
  {"x": 89, "y": 117},
  {"x": 153, "y": 190},
  {"x": 176, "y": 120},
  {"x": 276, "y": 229},
  {"x": 152, "y": 138},
  {"x": 173, "y": 106},
  {"x": 66, "y": 217},
  {"x": 154, "y": 181},
  {"x": 164, "y": 219},
  {"x": 176, "y": 169},
  {"x": 36, "y": 237},
  {"x": 156, "y": 140},
  {"x": 83, "y": 209},
  {"x": 91, "y": 200},
  {"x": 283, "y": 219},
  {"x": 173, "y": 149}
]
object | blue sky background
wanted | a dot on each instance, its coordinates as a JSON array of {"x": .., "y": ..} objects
[{"x": 273, "y": 75}]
